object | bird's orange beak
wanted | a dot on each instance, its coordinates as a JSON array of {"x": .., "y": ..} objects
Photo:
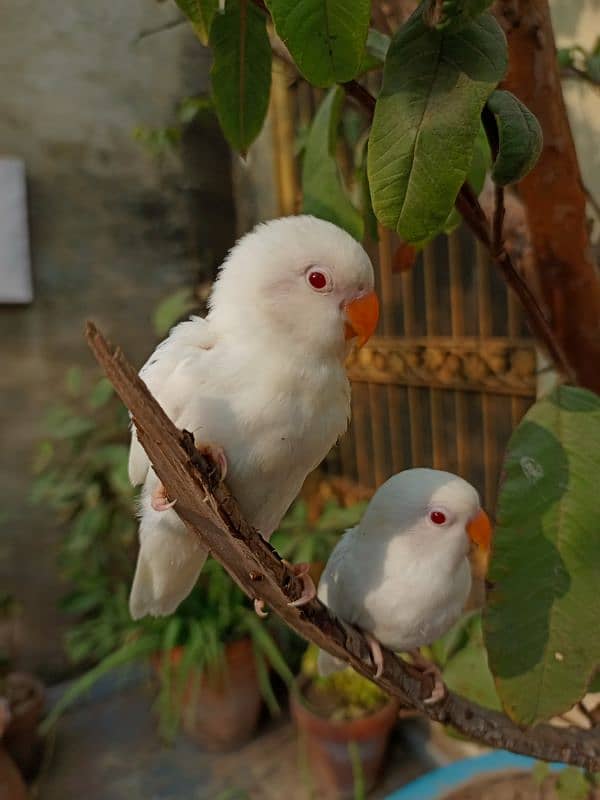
[
  {"x": 480, "y": 531},
  {"x": 362, "y": 316}
]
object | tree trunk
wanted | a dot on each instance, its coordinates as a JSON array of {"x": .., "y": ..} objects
[{"x": 553, "y": 193}]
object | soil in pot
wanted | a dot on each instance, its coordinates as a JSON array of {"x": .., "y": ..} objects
[
  {"x": 26, "y": 698},
  {"x": 341, "y": 752},
  {"x": 221, "y": 707},
  {"x": 510, "y": 786},
  {"x": 11, "y": 782}
]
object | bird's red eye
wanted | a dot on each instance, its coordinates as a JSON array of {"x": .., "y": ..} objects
[
  {"x": 318, "y": 280},
  {"x": 437, "y": 517}
]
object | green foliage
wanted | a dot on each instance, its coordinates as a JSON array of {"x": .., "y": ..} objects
[
  {"x": 545, "y": 604},
  {"x": 241, "y": 72},
  {"x": 581, "y": 63},
  {"x": 298, "y": 541},
  {"x": 354, "y": 695},
  {"x": 200, "y": 13},
  {"x": 480, "y": 165},
  {"x": 81, "y": 474},
  {"x": 519, "y": 138},
  {"x": 323, "y": 191},
  {"x": 375, "y": 51},
  {"x": 573, "y": 784},
  {"x": 540, "y": 772},
  {"x": 456, "y": 13},
  {"x": 466, "y": 670},
  {"x": 159, "y": 142},
  {"x": 427, "y": 118},
  {"x": 325, "y": 37},
  {"x": 173, "y": 308}
]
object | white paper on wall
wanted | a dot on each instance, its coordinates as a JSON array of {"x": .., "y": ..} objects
[{"x": 15, "y": 264}]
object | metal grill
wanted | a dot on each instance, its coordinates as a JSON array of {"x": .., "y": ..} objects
[{"x": 452, "y": 369}]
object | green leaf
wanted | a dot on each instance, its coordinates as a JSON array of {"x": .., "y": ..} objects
[
  {"x": 546, "y": 560},
  {"x": 241, "y": 72},
  {"x": 565, "y": 57},
  {"x": 326, "y": 38},
  {"x": 323, "y": 192},
  {"x": 456, "y": 13},
  {"x": 520, "y": 138},
  {"x": 482, "y": 160},
  {"x": 74, "y": 381},
  {"x": 468, "y": 674},
  {"x": 592, "y": 64},
  {"x": 540, "y": 772},
  {"x": 572, "y": 784},
  {"x": 101, "y": 393},
  {"x": 172, "y": 309},
  {"x": 375, "y": 51},
  {"x": 435, "y": 84},
  {"x": 200, "y": 13}
]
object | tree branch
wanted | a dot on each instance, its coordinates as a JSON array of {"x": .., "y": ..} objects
[{"x": 212, "y": 514}]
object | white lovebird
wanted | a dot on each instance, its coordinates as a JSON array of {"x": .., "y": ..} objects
[
  {"x": 402, "y": 574},
  {"x": 261, "y": 384}
]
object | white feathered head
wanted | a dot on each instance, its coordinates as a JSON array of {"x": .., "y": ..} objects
[{"x": 297, "y": 279}]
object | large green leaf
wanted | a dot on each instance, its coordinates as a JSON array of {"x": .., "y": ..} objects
[
  {"x": 435, "y": 84},
  {"x": 543, "y": 611},
  {"x": 520, "y": 138},
  {"x": 241, "y": 72},
  {"x": 200, "y": 13},
  {"x": 467, "y": 671},
  {"x": 325, "y": 37},
  {"x": 323, "y": 192},
  {"x": 482, "y": 159},
  {"x": 456, "y": 13}
]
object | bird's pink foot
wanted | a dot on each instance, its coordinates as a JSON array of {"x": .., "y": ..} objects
[
  {"x": 429, "y": 668},
  {"x": 159, "y": 499},
  {"x": 376, "y": 654},
  {"x": 216, "y": 454},
  {"x": 259, "y": 608},
  {"x": 309, "y": 591}
]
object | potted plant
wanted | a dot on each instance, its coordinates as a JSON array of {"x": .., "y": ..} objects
[
  {"x": 213, "y": 663},
  {"x": 344, "y": 722},
  {"x": 11, "y": 782},
  {"x": 213, "y": 652},
  {"x": 24, "y": 696}
]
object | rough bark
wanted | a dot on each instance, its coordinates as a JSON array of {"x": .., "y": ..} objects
[
  {"x": 212, "y": 514},
  {"x": 553, "y": 193}
]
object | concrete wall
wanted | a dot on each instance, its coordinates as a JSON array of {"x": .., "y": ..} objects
[{"x": 110, "y": 231}]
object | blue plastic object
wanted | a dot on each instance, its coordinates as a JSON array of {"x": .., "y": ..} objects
[{"x": 435, "y": 784}]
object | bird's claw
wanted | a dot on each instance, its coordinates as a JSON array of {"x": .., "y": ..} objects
[
  {"x": 159, "y": 499},
  {"x": 429, "y": 668},
  {"x": 309, "y": 591},
  {"x": 215, "y": 454},
  {"x": 376, "y": 654},
  {"x": 259, "y": 608}
]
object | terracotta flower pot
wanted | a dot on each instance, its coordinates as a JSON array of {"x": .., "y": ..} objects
[
  {"x": 221, "y": 710},
  {"x": 329, "y": 743},
  {"x": 26, "y": 697},
  {"x": 11, "y": 782}
]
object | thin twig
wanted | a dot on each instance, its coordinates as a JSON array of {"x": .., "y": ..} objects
[
  {"x": 498, "y": 224},
  {"x": 166, "y": 26},
  {"x": 215, "y": 518}
]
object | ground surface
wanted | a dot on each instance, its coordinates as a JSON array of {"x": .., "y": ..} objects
[{"x": 108, "y": 749}]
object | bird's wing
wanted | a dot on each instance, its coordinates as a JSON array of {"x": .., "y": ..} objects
[
  {"x": 339, "y": 580},
  {"x": 183, "y": 347}
]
